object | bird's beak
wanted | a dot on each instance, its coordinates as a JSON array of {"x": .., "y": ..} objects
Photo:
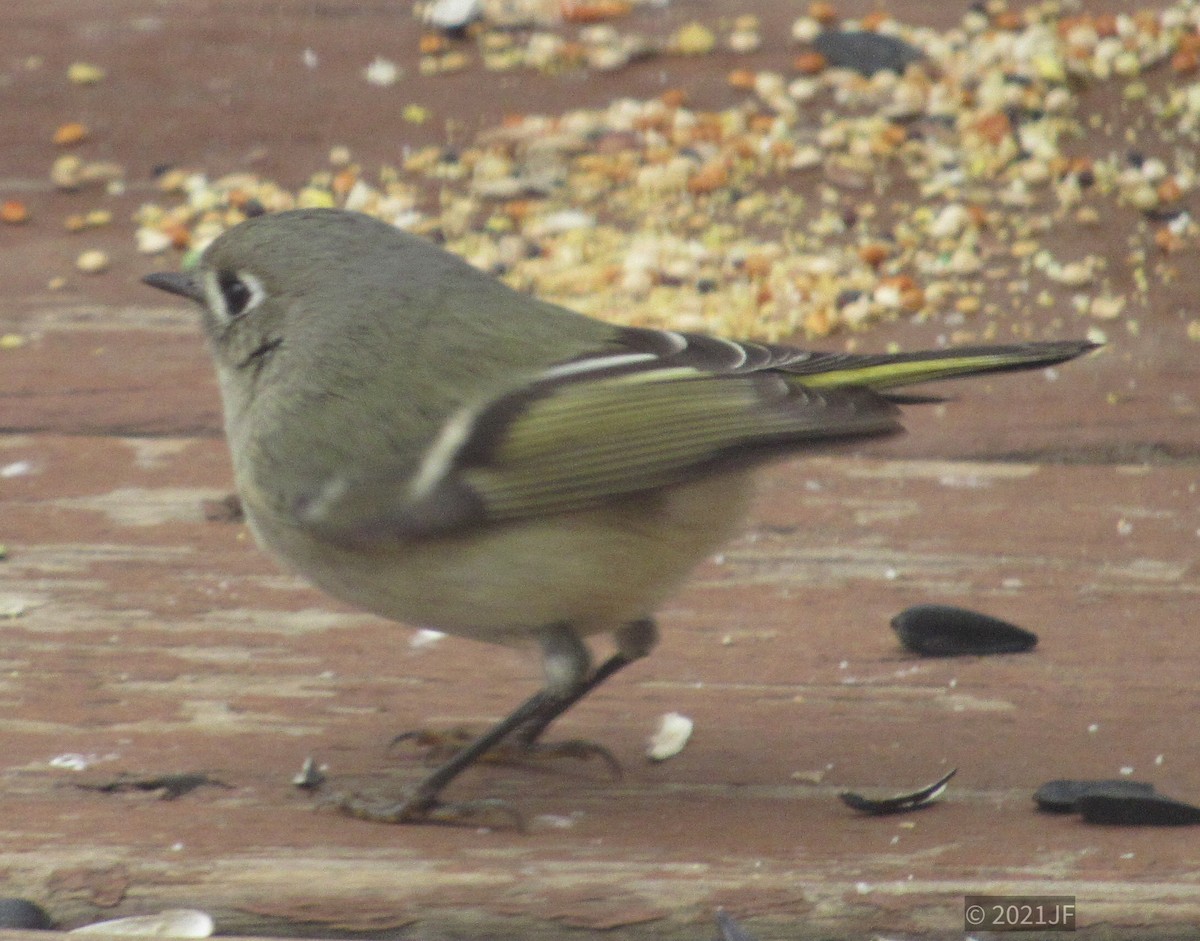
[{"x": 176, "y": 282}]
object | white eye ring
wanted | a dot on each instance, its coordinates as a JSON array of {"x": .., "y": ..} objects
[{"x": 232, "y": 295}]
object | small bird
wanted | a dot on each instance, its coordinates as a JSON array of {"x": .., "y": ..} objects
[{"x": 417, "y": 438}]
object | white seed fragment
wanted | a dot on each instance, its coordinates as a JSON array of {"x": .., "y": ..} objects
[
  {"x": 425, "y": 637},
  {"x": 673, "y": 733},
  {"x": 92, "y": 261},
  {"x": 382, "y": 72},
  {"x": 172, "y": 923}
]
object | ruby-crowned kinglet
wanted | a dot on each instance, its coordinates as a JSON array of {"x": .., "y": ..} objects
[{"x": 417, "y": 438}]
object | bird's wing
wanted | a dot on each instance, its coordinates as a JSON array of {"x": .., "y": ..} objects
[
  {"x": 575, "y": 439},
  {"x": 641, "y": 348},
  {"x": 652, "y": 409}
]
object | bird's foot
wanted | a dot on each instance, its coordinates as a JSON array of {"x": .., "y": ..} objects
[
  {"x": 436, "y": 745},
  {"x": 579, "y": 749}
]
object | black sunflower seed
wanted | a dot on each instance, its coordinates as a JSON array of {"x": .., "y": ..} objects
[
  {"x": 1062, "y": 796},
  {"x": 901, "y": 802},
  {"x": 1146, "y": 810},
  {"x": 24, "y": 914},
  {"x": 938, "y": 630},
  {"x": 865, "y": 52}
]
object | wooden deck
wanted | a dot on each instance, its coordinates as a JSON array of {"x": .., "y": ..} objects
[{"x": 141, "y": 638}]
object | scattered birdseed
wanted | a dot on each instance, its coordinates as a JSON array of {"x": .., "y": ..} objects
[
  {"x": 693, "y": 39},
  {"x": 70, "y": 172},
  {"x": 170, "y": 923},
  {"x": 1152, "y": 810},
  {"x": 382, "y": 72},
  {"x": 944, "y": 631},
  {"x": 901, "y": 803},
  {"x": 23, "y": 914},
  {"x": 865, "y": 52},
  {"x": 760, "y": 218},
  {"x": 67, "y": 134},
  {"x": 415, "y": 114},
  {"x": 452, "y": 15},
  {"x": 672, "y": 735},
  {"x": 744, "y": 40},
  {"x": 1062, "y": 796},
  {"x": 152, "y": 241},
  {"x": 83, "y": 73},
  {"x": 311, "y": 776},
  {"x": 92, "y": 261},
  {"x": 425, "y": 637},
  {"x": 14, "y": 212}
]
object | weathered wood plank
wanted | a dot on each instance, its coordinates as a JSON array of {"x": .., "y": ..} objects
[{"x": 148, "y": 640}]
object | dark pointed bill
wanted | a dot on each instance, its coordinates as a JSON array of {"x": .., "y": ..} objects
[{"x": 176, "y": 282}]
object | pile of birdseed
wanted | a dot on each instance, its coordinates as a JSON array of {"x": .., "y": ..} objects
[{"x": 825, "y": 200}]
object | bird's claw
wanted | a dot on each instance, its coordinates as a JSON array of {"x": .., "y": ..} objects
[{"x": 578, "y": 748}]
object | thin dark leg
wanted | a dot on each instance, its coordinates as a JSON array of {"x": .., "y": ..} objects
[
  {"x": 634, "y": 641},
  {"x": 523, "y": 726},
  {"x": 424, "y": 799},
  {"x": 531, "y": 729}
]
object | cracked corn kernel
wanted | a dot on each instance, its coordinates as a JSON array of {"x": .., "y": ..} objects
[
  {"x": 14, "y": 212},
  {"x": 593, "y": 11},
  {"x": 741, "y": 79},
  {"x": 809, "y": 63},
  {"x": 71, "y": 133},
  {"x": 707, "y": 179},
  {"x": 823, "y": 12}
]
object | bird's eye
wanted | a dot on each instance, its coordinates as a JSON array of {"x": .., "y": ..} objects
[
  {"x": 232, "y": 294},
  {"x": 236, "y": 292}
]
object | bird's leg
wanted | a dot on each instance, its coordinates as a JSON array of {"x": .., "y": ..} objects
[
  {"x": 568, "y": 679},
  {"x": 567, "y": 666},
  {"x": 634, "y": 641},
  {"x": 424, "y": 803}
]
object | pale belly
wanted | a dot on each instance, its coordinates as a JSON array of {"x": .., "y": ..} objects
[{"x": 593, "y": 570}]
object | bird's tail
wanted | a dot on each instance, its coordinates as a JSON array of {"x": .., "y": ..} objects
[{"x": 891, "y": 370}]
